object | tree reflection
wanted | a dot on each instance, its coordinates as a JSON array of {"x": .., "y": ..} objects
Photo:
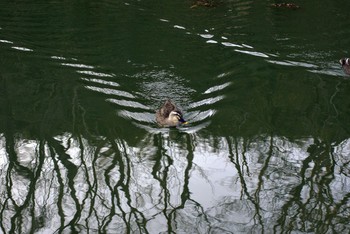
[
  {"x": 73, "y": 186},
  {"x": 312, "y": 205},
  {"x": 97, "y": 178}
]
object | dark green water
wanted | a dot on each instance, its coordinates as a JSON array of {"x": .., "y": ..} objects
[{"x": 267, "y": 149}]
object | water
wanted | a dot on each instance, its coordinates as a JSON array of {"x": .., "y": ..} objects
[{"x": 267, "y": 148}]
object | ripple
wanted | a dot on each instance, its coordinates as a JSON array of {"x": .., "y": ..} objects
[
  {"x": 162, "y": 84},
  {"x": 183, "y": 128},
  {"x": 211, "y": 42},
  {"x": 77, "y": 65},
  {"x": 152, "y": 130},
  {"x": 217, "y": 88},
  {"x": 6, "y": 41},
  {"x": 206, "y": 36},
  {"x": 22, "y": 48},
  {"x": 302, "y": 64},
  {"x": 280, "y": 63},
  {"x": 254, "y": 53},
  {"x": 207, "y": 101},
  {"x": 292, "y": 63},
  {"x": 92, "y": 73},
  {"x": 145, "y": 117},
  {"x": 58, "y": 57},
  {"x": 229, "y": 44},
  {"x": 247, "y": 46},
  {"x": 100, "y": 81},
  {"x": 224, "y": 74},
  {"x": 110, "y": 91},
  {"x": 194, "y": 128},
  {"x": 126, "y": 103},
  {"x": 179, "y": 27},
  {"x": 197, "y": 116},
  {"x": 329, "y": 72}
]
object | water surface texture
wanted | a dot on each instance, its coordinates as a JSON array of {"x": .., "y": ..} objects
[{"x": 267, "y": 147}]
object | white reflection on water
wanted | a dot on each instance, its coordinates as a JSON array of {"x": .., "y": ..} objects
[
  {"x": 161, "y": 84},
  {"x": 197, "y": 116},
  {"x": 211, "y": 42},
  {"x": 254, "y": 53},
  {"x": 207, "y": 36},
  {"x": 58, "y": 57},
  {"x": 292, "y": 63},
  {"x": 207, "y": 101},
  {"x": 21, "y": 48},
  {"x": 229, "y": 44},
  {"x": 138, "y": 116},
  {"x": 77, "y": 65},
  {"x": 217, "y": 88},
  {"x": 179, "y": 27},
  {"x": 164, "y": 20},
  {"x": 110, "y": 91},
  {"x": 92, "y": 73},
  {"x": 335, "y": 72},
  {"x": 248, "y": 46},
  {"x": 132, "y": 104},
  {"x": 6, "y": 41},
  {"x": 157, "y": 86},
  {"x": 101, "y": 81},
  {"x": 3, "y": 154},
  {"x": 232, "y": 185}
]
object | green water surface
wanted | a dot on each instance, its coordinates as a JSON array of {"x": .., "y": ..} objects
[{"x": 267, "y": 147}]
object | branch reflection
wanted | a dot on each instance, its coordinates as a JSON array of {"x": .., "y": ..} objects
[{"x": 65, "y": 183}]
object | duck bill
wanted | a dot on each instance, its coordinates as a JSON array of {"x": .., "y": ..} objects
[{"x": 182, "y": 121}]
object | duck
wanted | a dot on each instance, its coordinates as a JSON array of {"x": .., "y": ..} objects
[
  {"x": 169, "y": 115},
  {"x": 345, "y": 63}
]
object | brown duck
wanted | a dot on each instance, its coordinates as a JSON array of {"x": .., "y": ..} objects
[{"x": 169, "y": 115}]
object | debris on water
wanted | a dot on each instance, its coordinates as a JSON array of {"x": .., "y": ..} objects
[
  {"x": 205, "y": 3},
  {"x": 286, "y": 5}
]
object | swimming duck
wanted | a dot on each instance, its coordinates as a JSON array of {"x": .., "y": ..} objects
[
  {"x": 169, "y": 115},
  {"x": 345, "y": 63}
]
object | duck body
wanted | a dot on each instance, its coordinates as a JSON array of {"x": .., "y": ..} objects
[
  {"x": 169, "y": 115},
  {"x": 345, "y": 63}
]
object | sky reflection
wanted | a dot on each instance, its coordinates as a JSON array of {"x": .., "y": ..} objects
[{"x": 248, "y": 184}]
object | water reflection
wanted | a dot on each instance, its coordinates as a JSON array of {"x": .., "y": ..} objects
[
  {"x": 72, "y": 160},
  {"x": 56, "y": 184}
]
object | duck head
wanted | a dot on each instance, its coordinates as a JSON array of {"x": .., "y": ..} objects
[
  {"x": 175, "y": 117},
  {"x": 345, "y": 64}
]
